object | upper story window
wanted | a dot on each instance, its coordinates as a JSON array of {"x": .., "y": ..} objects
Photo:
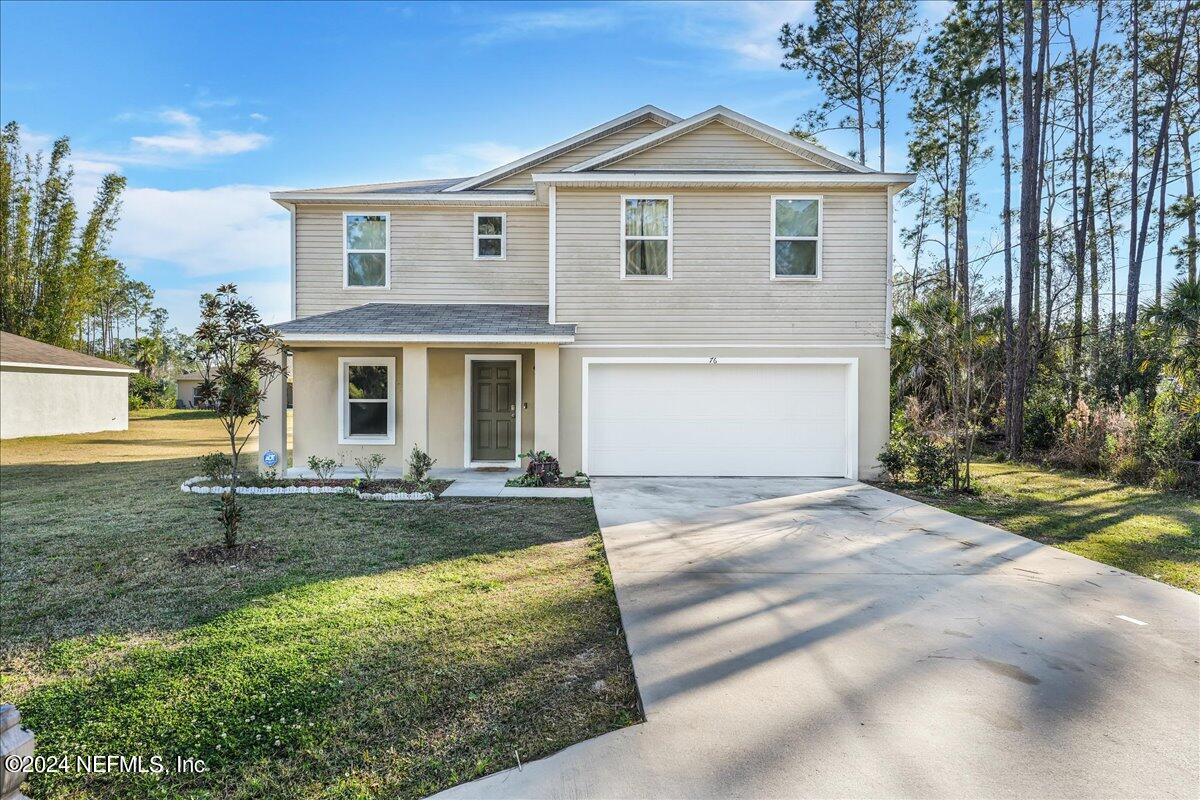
[
  {"x": 796, "y": 238},
  {"x": 367, "y": 237},
  {"x": 367, "y": 411},
  {"x": 490, "y": 234},
  {"x": 646, "y": 237}
]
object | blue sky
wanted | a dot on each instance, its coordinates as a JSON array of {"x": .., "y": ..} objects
[{"x": 207, "y": 107}]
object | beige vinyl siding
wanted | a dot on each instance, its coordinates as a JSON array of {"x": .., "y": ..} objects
[
  {"x": 524, "y": 180},
  {"x": 722, "y": 289},
  {"x": 431, "y": 259},
  {"x": 715, "y": 146}
]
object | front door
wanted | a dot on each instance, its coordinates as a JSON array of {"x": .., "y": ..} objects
[{"x": 493, "y": 410}]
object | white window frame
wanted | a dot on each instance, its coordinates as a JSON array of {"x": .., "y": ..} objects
[
  {"x": 344, "y": 364},
  {"x": 387, "y": 250},
  {"x": 670, "y": 237},
  {"x": 503, "y": 237},
  {"x": 820, "y": 234}
]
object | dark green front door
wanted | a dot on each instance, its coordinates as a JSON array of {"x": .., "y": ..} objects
[{"x": 493, "y": 410}]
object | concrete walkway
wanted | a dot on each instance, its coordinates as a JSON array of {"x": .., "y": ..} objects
[{"x": 801, "y": 638}]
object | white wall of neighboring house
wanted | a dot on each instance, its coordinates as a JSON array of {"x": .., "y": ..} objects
[{"x": 58, "y": 400}]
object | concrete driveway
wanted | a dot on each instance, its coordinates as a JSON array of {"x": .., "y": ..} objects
[{"x": 805, "y": 638}]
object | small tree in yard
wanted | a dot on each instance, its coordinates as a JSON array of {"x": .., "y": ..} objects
[{"x": 234, "y": 349}]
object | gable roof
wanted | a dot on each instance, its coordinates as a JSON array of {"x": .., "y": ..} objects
[
  {"x": 17, "y": 351},
  {"x": 474, "y": 192},
  {"x": 634, "y": 117},
  {"x": 740, "y": 122}
]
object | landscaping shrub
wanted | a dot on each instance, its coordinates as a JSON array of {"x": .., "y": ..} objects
[
  {"x": 915, "y": 446},
  {"x": 215, "y": 466},
  {"x": 896, "y": 459},
  {"x": 542, "y": 465},
  {"x": 933, "y": 462},
  {"x": 419, "y": 464},
  {"x": 323, "y": 467},
  {"x": 370, "y": 465}
]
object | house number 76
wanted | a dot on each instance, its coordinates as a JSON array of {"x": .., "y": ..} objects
[{"x": 712, "y": 360}]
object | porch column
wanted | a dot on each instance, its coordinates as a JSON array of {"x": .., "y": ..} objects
[
  {"x": 414, "y": 391},
  {"x": 272, "y": 432},
  {"x": 545, "y": 398}
]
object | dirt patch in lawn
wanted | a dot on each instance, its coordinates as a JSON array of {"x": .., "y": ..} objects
[{"x": 222, "y": 554}]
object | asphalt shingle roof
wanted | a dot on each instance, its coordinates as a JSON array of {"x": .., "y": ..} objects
[
  {"x": 432, "y": 319},
  {"x": 19, "y": 350}
]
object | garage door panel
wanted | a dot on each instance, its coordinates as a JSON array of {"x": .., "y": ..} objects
[{"x": 717, "y": 419}]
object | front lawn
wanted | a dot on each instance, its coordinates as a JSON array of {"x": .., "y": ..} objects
[
  {"x": 371, "y": 649},
  {"x": 1141, "y": 530}
]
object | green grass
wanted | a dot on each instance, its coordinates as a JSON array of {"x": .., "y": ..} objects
[
  {"x": 374, "y": 650},
  {"x": 1141, "y": 530}
]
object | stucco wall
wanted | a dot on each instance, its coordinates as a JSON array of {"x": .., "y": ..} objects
[
  {"x": 48, "y": 403},
  {"x": 315, "y": 404},
  {"x": 873, "y": 376},
  {"x": 447, "y": 404}
]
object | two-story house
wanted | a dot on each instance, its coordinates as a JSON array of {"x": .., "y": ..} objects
[{"x": 653, "y": 296}]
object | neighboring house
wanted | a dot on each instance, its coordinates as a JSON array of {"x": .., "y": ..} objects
[
  {"x": 187, "y": 383},
  {"x": 46, "y": 390},
  {"x": 653, "y": 296},
  {"x": 185, "y": 389}
]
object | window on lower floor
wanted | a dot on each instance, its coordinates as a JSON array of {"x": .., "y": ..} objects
[
  {"x": 796, "y": 237},
  {"x": 490, "y": 236},
  {"x": 367, "y": 389}
]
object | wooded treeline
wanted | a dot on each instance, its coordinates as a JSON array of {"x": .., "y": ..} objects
[
  {"x": 58, "y": 282},
  {"x": 1081, "y": 117}
]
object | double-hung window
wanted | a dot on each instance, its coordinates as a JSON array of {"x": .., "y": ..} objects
[
  {"x": 367, "y": 395},
  {"x": 366, "y": 239},
  {"x": 796, "y": 238},
  {"x": 646, "y": 248},
  {"x": 490, "y": 236}
]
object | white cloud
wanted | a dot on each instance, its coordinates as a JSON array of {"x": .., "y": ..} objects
[
  {"x": 528, "y": 24},
  {"x": 469, "y": 159},
  {"x": 226, "y": 229},
  {"x": 748, "y": 30},
  {"x": 257, "y": 117},
  {"x": 189, "y": 139}
]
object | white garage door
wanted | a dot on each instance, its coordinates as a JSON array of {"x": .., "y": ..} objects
[{"x": 728, "y": 418}]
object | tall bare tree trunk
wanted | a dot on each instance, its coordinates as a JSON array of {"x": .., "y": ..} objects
[
  {"x": 1031, "y": 100},
  {"x": 1160, "y": 145},
  {"x": 1192, "y": 244},
  {"x": 1134, "y": 276},
  {"x": 1162, "y": 229},
  {"x": 1006, "y": 168},
  {"x": 960, "y": 227}
]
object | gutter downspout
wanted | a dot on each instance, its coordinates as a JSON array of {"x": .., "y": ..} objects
[{"x": 291, "y": 207}]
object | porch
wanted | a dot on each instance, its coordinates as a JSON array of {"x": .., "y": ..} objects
[{"x": 385, "y": 378}]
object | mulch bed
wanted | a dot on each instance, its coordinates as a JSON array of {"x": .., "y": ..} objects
[
  {"x": 381, "y": 486},
  {"x": 565, "y": 482},
  {"x": 220, "y": 554}
]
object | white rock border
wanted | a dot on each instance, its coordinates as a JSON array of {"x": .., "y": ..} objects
[{"x": 190, "y": 487}]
